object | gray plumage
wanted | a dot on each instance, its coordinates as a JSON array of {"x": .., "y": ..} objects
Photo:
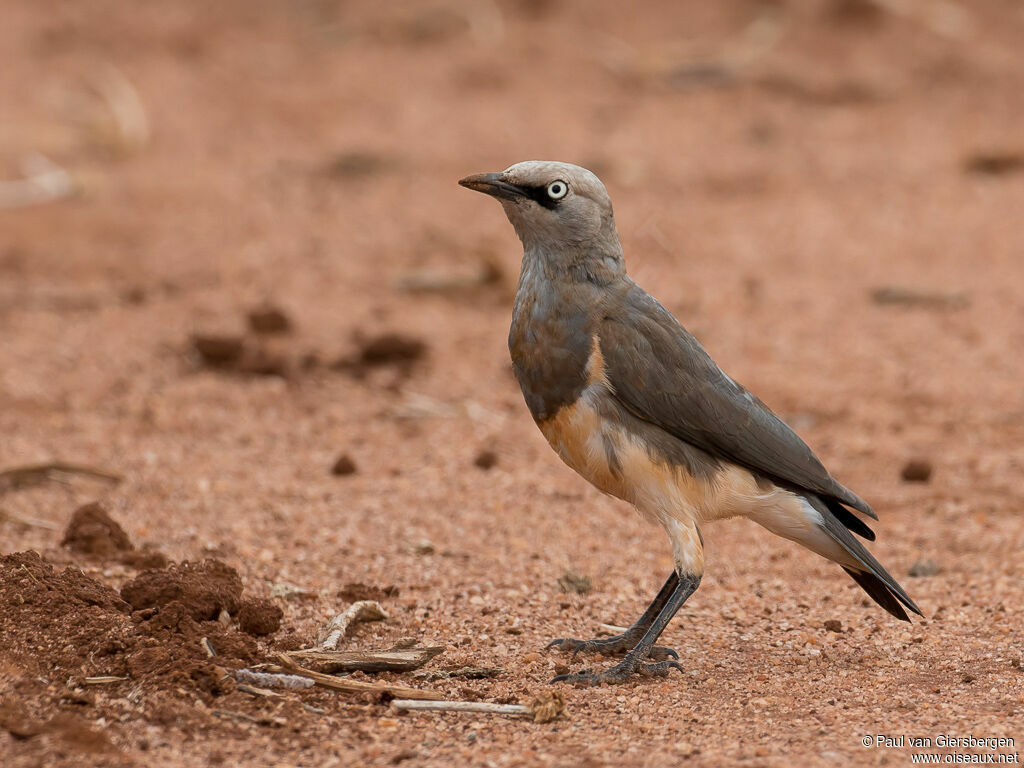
[{"x": 632, "y": 402}]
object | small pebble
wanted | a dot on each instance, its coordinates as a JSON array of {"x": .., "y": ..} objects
[
  {"x": 217, "y": 351},
  {"x": 269, "y": 319},
  {"x": 916, "y": 471},
  {"x": 834, "y": 625},
  {"x": 574, "y": 582},
  {"x": 344, "y": 466},
  {"x": 923, "y": 568},
  {"x": 486, "y": 460}
]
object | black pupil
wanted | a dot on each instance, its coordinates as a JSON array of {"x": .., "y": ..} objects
[{"x": 556, "y": 189}]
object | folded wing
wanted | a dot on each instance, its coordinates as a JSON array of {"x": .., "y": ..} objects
[{"x": 662, "y": 374}]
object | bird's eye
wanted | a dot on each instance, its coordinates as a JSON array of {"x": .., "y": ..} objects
[{"x": 557, "y": 189}]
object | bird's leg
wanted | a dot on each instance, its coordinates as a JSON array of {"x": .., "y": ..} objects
[
  {"x": 628, "y": 639},
  {"x": 634, "y": 661}
]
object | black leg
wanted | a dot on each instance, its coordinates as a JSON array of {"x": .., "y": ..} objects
[
  {"x": 628, "y": 639},
  {"x": 634, "y": 661}
]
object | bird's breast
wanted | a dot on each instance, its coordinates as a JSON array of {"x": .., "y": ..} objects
[{"x": 550, "y": 343}]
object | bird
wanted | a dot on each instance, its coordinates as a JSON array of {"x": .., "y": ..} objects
[{"x": 632, "y": 402}]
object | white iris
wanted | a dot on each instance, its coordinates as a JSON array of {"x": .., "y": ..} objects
[{"x": 557, "y": 190}]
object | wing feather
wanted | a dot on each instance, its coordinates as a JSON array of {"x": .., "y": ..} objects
[{"x": 660, "y": 372}]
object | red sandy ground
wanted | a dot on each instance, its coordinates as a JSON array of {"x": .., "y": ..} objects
[{"x": 771, "y": 166}]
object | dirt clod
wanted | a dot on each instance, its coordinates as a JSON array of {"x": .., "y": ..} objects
[
  {"x": 391, "y": 348},
  {"x": 204, "y": 589},
  {"x": 916, "y": 471},
  {"x": 385, "y": 350},
  {"x": 63, "y": 624},
  {"x": 344, "y": 465},
  {"x": 218, "y": 351},
  {"x": 268, "y": 319},
  {"x": 892, "y": 295},
  {"x": 486, "y": 460},
  {"x": 356, "y": 165},
  {"x": 26, "y": 580},
  {"x": 259, "y": 617},
  {"x": 994, "y": 163},
  {"x": 91, "y": 531},
  {"x": 574, "y": 582},
  {"x": 833, "y": 625},
  {"x": 17, "y": 722}
]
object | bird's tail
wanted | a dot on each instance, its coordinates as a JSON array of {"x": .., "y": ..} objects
[{"x": 864, "y": 568}]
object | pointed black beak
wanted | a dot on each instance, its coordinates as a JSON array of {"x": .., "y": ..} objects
[{"x": 493, "y": 184}]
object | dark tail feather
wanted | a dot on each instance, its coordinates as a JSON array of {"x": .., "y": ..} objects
[
  {"x": 879, "y": 592},
  {"x": 850, "y": 520},
  {"x": 872, "y": 577}
]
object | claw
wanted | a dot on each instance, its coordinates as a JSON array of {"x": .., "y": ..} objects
[{"x": 659, "y": 669}]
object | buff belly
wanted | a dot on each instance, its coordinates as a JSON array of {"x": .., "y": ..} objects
[{"x": 621, "y": 464}]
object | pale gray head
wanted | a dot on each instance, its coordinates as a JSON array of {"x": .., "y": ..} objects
[{"x": 560, "y": 211}]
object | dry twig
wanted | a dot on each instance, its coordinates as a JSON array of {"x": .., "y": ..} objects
[
  {"x": 36, "y": 474},
  {"x": 544, "y": 708},
  {"x": 461, "y": 706},
  {"x": 394, "y": 660},
  {"x": 910, "y": 297},
  {"x": 32, "y": 522},
  {"x": 44, "y": 182},
  {"x": 337, "y": 628},
  {"x": 103, "y": 679},
  {"x": 121, "y": 98},
  {"x": 468, "y": 673},
  {"x": 354, "y": 686},
  {"x": 253, "y": 690}
]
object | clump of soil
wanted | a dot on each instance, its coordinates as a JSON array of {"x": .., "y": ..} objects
[
  {"x": 917, "y": 471},
  {"x": 575, "y": 582},
  {"x": 486, "y": 460},
  {"x": 386, "y": 350},
  {"x": 268, "y": 319},
  {"x": 91, "y": 531},
  {"x": 259, "y": 616},
  {"x": 204, "y": 589},
  {"x": 995, "y": 163},
  {"x": 26, "y": 580},
  {"x": 235, "y": 354},
  {"x": 218, "y": 351},
  {"x": 391, "y": 349},
  {"x": 62, "y": 626},
  {"x": 68, "y": 728},
  {"x": 345, "y": 465}
]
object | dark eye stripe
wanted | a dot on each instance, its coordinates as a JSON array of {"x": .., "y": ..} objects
[{"x": 540, "y": 196}]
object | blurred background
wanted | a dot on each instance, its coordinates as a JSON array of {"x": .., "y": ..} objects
[{"x": 236, "y": 269}]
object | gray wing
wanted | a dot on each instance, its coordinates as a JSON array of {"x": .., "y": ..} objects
[{"x": 662, "y": 374}]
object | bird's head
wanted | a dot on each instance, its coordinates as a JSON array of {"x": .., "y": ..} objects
[{"x": 554, "y": 207}]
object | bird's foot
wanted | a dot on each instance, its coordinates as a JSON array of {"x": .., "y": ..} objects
[
  {"x": 620, "y": 673},
  {"x": 610, "y": 646}
]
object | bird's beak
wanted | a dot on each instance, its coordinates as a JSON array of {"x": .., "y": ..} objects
[{"x": 492, "y": 184}]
